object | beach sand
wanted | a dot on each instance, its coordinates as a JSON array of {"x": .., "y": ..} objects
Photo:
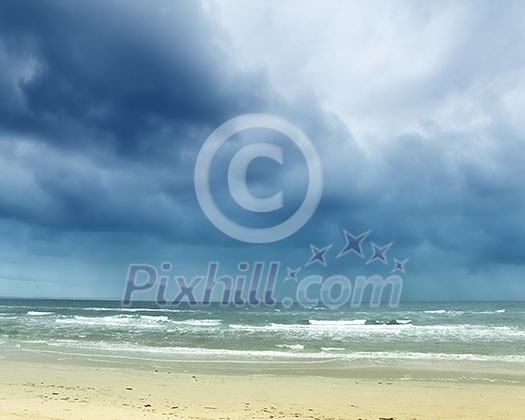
[{"x": 53, "y": 391}]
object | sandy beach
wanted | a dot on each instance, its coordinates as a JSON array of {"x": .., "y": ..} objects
[{"x": 53, "y": 391}]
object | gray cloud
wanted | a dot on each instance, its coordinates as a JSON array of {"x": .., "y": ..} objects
[{"x": 104, "y": 107}]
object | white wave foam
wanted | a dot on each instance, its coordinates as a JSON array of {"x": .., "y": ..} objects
[
  {"x": 290, "y": 346},
  {"x": 440, "y": 356},
  {"x": 96, "y": 309},
  {"x": 405, "y": 331},
  {"x": 110, "y": 321},
  {"x": 200, "y": 353},
  {"x": 457, "y": 312},
  {"x": 270, "y": 327},
  {"x": 354, "y": 322},
  {"x": 325, "y": 327},
  {"x": 337, "y": 323},
  {"x": 158, "y": 318},
  {"x": 39, "y": 313},
  {"x": 135, "y": 321},
  {"x": 184, "y": 351},
  {"x": 199, "y": 322}
]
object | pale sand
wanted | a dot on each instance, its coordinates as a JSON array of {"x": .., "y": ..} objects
[{"x": 37, "y": 391}]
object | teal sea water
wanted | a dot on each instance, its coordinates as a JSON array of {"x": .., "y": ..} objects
[{"x": 444, "y": 341}]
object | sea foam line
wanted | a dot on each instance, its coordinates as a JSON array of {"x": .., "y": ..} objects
[
  {"x": 39, "y": 313},
  {"x": 272, "y": 354}
]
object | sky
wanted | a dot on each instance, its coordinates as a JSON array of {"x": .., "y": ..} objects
[{"x": 415, "y": 110}]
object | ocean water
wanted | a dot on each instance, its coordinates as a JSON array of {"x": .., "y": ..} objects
[{"x": 442, "y": 341}]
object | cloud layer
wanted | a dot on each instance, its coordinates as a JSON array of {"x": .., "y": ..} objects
[{"x": 416, "y": 110}]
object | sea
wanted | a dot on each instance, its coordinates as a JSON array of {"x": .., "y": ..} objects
[{"x": 459, "y": 341}]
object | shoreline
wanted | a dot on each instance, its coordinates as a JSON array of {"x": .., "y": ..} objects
[
  {"x": 35, "y": 390},
  {"x": 412, "y": 370}
]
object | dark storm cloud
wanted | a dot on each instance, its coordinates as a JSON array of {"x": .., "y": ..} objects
[
  {"x": 117, "y": 102},
  {"x": 462, "y": 199},
  {"x": 130, "y": 76},
  {"x": 121, "y": 96}
]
